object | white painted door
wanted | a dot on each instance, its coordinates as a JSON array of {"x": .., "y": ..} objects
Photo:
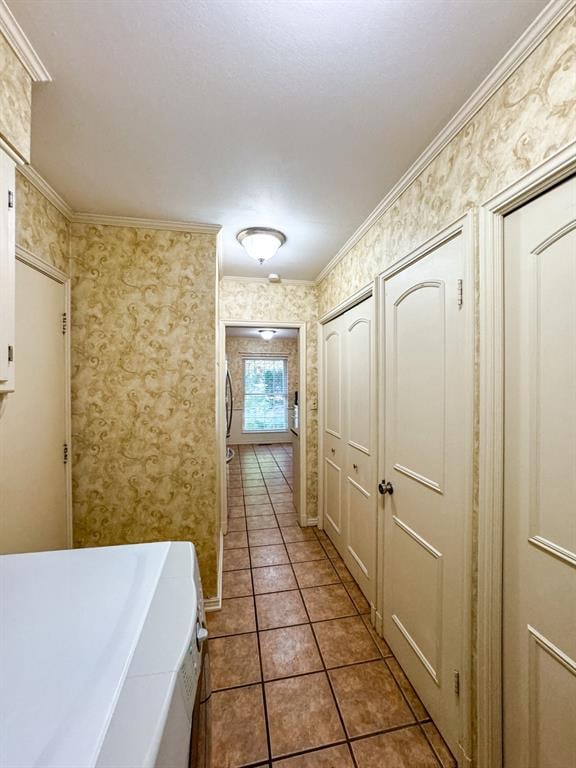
[
  {"x": 333, "y": 443},
  {"x": 426, "y": 463},
  {"x": 539, "y": 610},
  {"x": 33, "y": 422},
  {"x": 359, "y": 431}
]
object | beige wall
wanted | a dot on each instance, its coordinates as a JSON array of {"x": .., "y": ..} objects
[
  {"x": 15, "y": 101},
  {"x": 527, "y": 120},
  {"x": 269, "y": 303},
  {"x": 236, "y": 348},
  {"x": 40, "y": 227},
  {"x": 143, "y": 388}
]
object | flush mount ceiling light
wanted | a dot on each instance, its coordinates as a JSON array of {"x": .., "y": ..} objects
[
  {"x": 261, "y": 243},
  {"x": 267, "y": 333}
]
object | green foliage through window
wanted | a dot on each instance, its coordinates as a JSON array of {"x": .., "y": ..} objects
[{"x": 265, "y": 395}]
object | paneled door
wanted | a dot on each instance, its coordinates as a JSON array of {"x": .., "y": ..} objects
[
  {"x": 427, "y": 364},
  {"x": 350, "y": 507},
  {"x": 359, "y": 423},
  {"x": 539, "y": 579},
  {"x": 333, "y": 444},
  {"x": 33, "y": 421}
]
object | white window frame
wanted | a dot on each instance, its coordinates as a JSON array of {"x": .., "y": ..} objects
[{"x": 264, "y": 356}]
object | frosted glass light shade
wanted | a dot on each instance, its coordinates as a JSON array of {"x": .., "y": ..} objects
[
  {"x": 261, "y": 243},
  {"x": 267, "y": 333}
]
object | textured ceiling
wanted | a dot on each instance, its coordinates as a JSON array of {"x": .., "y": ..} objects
[{"x": 294, "y": 114}]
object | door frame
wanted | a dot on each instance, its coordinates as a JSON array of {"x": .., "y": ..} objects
[
  {"x": 463, "y": 226},
  {"x": 489, "y": 704},
  {"x": 34, "y": 262},
  {"x": 304, "y": 518},
  {"x": 366, "y": 292}
]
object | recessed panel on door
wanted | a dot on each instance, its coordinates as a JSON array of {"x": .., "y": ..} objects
[
  {"x": 419, "y": 383},
  {"x": 358, "y": 364},
  {"x": 333, "y": 495},
  {"x": 332, "y": 390}
]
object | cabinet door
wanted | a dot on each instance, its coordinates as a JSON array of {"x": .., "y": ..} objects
[
  {"x": 7, "y": 267},
  {"x": 333, "y": 444},
  {"x": 359, "y": 476}
]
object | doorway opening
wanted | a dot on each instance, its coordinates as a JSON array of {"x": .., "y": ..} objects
[{"x": 263, "y": 405}]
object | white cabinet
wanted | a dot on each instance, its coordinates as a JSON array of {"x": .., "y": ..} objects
[
  {"x": 7, "y": 270},
  {"x": 349, "y": 442}
]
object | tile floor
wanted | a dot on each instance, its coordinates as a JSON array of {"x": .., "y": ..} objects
[{"x": 299, "y": 677}]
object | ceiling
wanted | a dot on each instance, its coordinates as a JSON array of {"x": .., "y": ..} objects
[
  {"x": 293, "y": 114},
  {"x": 252, "y": 333}
]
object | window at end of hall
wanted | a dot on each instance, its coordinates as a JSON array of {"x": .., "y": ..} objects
[{"x": 265, "y": 394}]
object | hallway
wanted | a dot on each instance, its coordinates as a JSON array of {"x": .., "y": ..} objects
[{"x": 299, "y": 678}]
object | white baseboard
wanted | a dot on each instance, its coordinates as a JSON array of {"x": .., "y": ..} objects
[
  {"x": 215, "y": 603},
  {"x": 312, "y": 521}
]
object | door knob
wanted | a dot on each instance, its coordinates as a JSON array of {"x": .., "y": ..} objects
[
  {"x": 385, "y": 488},
  {"x": 333, "y": 450}
]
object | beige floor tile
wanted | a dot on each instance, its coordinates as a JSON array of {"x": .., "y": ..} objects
[
  {"x": 315, "y": 574},
  {"x": 280, "y": 609},
  {"x": 439, "y": 746},
  {"x": 345, "y": 641},
  {"x": 236, "y": 583},
  {"x": 235, "y": 540},
  {"x": 332, "y": 757},
  {"x": 369, "y": 698},
  {"x": 274, "y": 554},
  {"x": 238, "y": 727},
  {"x": 328, "y": 602},
  {"x": 286, "y": 520},
  {"x": 296, "y": 533},
  {"x": 413, "y": 698},
  {"x": 304, "y": 551},
  {"x": 236, "y": 559},
  {"x": 301, "y": 714},
  {"x": 263, "y": 537},
  {"x": 358, "y": 598},
  {"x": 258, "y": 510},
  {"x": 380, "y": 642},
  {"x": 236, "y": 512},
  {"x": 273, "y": 578},
  {"x": 406, "y": 748},
  {"x": 289, "y": 651},
  {"x": 236, "y": 523},
  {"x": 234, "y": 661},
  {"x": 261, "y": 521},
  {"x": 235, "y": 616}
]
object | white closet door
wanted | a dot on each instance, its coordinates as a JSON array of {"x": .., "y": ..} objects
[
  {"x": 360, "y": 481},
  {"x": 33, "y": 422},
  {"x": 333, "y": 443},
  {"x": 539, "y": 611},
  {"x": 425, "y": 453}
]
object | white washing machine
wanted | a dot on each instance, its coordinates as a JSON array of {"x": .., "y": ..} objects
[{"x": 103, "y": 659}]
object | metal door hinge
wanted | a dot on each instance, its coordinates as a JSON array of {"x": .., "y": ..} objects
[
  {"x": 65, "y": 453},
  {"x": 64, "y": 323},
  {"x": 460, "y": 293},
  {"x": 10, "y": 199},
  {"x": 457, "y": 682},
  {"x": 10, "y": 353}
]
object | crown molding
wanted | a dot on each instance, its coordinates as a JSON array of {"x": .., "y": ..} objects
[
  {"x": 265, "y": 281},
  {"x": 540, "y": 28},
  {"x": 112, "y": 221},
  {"x": 21, "y": 46},
  {"x": 136, "y": 223},
  {"x": 46, "y": 190}
]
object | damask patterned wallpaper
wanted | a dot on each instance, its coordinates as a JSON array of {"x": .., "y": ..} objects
[
  {"x": 527, "y": 120},
  {"x": 143, "y": 388},
  {"x": 15, "y": 101},
  {"x": 40, "y": 227},
  {"x": 283, "y": 303}
]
